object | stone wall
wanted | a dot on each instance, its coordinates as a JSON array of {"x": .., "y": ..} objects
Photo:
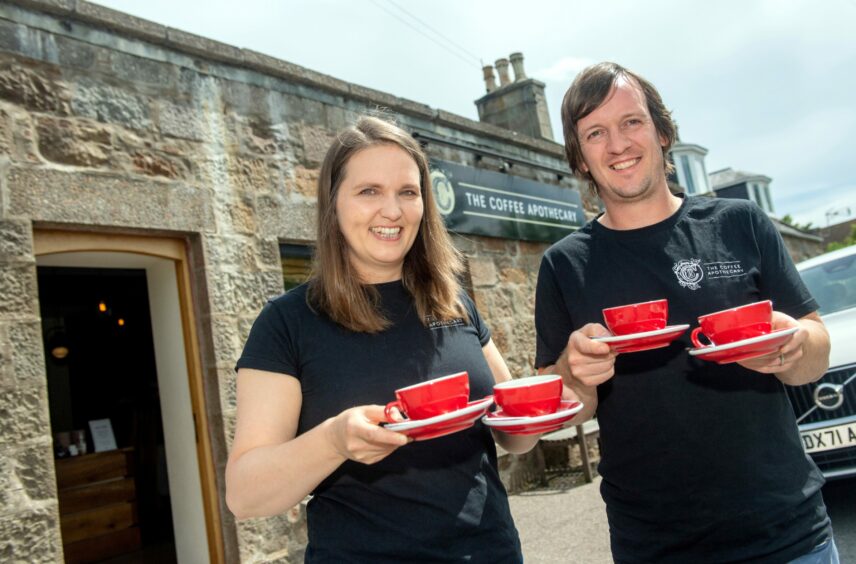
[{"x": 114, "y": 124}]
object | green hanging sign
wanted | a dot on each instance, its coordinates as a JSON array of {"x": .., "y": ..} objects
[{"x": 483, "y": 202}]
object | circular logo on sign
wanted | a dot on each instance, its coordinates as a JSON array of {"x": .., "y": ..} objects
[
  {"x": 829, "y": 396},
  {"x": 689, "y": 273},
  {"x": 444, "y": 194}
]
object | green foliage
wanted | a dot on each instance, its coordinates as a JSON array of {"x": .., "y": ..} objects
[
  {"x": 849, "y": 240},
  {"x": 788, "y": 220}
]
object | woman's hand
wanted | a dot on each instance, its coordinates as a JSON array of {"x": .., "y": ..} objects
[{"x": 356, "y": 435}]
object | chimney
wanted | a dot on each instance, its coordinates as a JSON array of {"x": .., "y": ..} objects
[
  {"x": 502, "y": 69},
  {"x": 489, "y": 78},
  {"x": 519, "y": 106},
  {"x": 517, "y": 65}
]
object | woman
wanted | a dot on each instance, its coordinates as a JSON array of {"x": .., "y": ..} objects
[{"x": 382, "y": 310}]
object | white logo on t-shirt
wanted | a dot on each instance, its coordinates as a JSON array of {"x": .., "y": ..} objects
[
  {"x": 689, "y": 273},
  {"x": 434, "y": 323},
  {"x": 724, "y": 269}
]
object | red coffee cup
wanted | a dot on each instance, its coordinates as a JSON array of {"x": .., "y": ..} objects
[
  {"x": 735, "y": 324},
  {"x": 529, "y": 397},
  {"x": 637, "y": 318},
  {"x": 431, "y": 398}
]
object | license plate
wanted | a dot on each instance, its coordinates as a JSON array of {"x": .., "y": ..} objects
[{"x": 829, "y": 438}]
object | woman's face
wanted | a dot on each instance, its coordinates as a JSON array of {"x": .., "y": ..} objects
[{"x": 379, "y": 206}]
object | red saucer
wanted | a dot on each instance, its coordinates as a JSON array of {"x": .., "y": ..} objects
[
  {"x": 746, "y": 348},
  {"x": 445, "y": 424},
  {"x": 533, "y": 425},
  {"x": 643, "y": 341}
]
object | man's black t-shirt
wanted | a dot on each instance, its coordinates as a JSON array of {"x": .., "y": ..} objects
[
  {"x": 439, "y": 500},
  {"x": 701, "y": 462}
]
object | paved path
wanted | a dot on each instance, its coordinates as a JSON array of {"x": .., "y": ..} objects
[{"x": 562, "y": 527}]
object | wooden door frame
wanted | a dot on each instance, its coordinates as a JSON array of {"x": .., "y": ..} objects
[{"x": 49, "y": 241}]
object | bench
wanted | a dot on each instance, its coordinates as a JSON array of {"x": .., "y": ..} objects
[{"x": 567, "y": 439}]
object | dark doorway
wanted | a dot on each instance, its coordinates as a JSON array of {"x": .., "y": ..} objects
[{"x": 114, "y": 504}]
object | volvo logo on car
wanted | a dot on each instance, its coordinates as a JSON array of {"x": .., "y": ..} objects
[{"x": 829, "y": 396}]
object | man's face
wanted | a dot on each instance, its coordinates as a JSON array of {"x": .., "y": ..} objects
[{"x": 621, "y": 148}]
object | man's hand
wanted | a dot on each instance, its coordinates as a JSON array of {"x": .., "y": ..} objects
[
  {"x": 801, "y": 359},
  {"x": 588, "y": 362}
]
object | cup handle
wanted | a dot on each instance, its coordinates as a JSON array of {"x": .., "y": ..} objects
[
  {"x": 694, "y": 338},
  {"x": 387, "y": 411}
]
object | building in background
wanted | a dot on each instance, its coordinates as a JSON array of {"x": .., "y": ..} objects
[
  {"x": 730, "y": 183},
  {"x": 156, "y": 188}
]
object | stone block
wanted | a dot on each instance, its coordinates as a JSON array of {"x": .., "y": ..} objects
[
  {"x": 199, "y": 45},
  {"x": 374, "y": 97},
  {"x": 245, "y": 323},
  {"x": 228, "y": 384},
  {"x": 235, "y": 215},
  {"x": 305, "y": 181},
  {"x": 110, "y": 104},
  {"x": 491, "y": 245},
  {"x": 223, "y": 252},
  {"x": 77, "y": 54},
  {"x": 157, "y": 164},
  {"x": 39, "y": 90},
  {"x": 19, "y": 290},
  {"x": 120, "y": 21},
  {"x": 26, "y": 475},
  {"x": 268, "y": 253},
  {"x": 23, "y": 415},
  {"x": 302, "y": 109},
  {"x": 74, "y": 143},
  {"x": 483, "y": 272},
  {"x": 31, "y": 536},
  {"x": 27, "y": 353},
  {"x": 261, "y": 538},
  {"x": 242, "y": 292},
  {"x": 513, "y": 275},
  {"x": 247, "y": 174},
  {"x": 10, "y": 36},
  {"x": 107, "y": 199},
  {"x": 16, "y": 240},
  {"x": 184, "y": 122},
  {"x": 286, "y": 218},
  {"x": 224, "y": 331},
  {"x": 139, "y": 69},
  {"x": 53, "y": 6},
  {"x": 316, "y": 141}
]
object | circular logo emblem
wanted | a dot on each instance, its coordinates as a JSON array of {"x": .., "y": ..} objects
[
  {"x": 444, "y": 194},
  {"x": 689, "y": 273},
  {"x": 829, "y": 396}
]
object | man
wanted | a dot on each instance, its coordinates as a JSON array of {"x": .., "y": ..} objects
[{"x": 701, "y": 462}]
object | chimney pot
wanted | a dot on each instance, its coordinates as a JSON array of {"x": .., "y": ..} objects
[
  {"x": 489, "y": 78},
  {"x": 517, "y": 64},
  {"x": 502, "y": 69}
]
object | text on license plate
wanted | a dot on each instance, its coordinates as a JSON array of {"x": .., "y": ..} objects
[{"x": 829, "y": 438}]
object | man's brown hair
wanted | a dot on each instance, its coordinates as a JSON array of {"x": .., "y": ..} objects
[{"x": 589, "y": 90}]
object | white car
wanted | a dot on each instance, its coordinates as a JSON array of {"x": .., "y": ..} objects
[{"x": 826, "y": 409}]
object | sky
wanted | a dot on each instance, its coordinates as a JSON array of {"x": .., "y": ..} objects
[{"x": 767, "y": 86}]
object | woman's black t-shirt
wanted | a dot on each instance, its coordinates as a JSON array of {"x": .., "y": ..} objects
[{"x": 439, "y": 500}]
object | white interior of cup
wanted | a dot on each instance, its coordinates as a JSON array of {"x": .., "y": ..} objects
[
  {"x": 528, "y": 381},
  {"x": 434, "y": 381}
]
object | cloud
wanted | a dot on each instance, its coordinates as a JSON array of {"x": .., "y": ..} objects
[{"x": 563, "y": 70}]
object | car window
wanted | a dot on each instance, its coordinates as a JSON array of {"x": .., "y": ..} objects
[{"x": 833, "y": 284}]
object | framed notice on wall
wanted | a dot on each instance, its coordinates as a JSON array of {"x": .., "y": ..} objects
[{"x": 102, "y": 435}]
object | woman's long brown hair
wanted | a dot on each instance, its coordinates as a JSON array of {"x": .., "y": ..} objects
[{"x": 431, "y": 267}]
